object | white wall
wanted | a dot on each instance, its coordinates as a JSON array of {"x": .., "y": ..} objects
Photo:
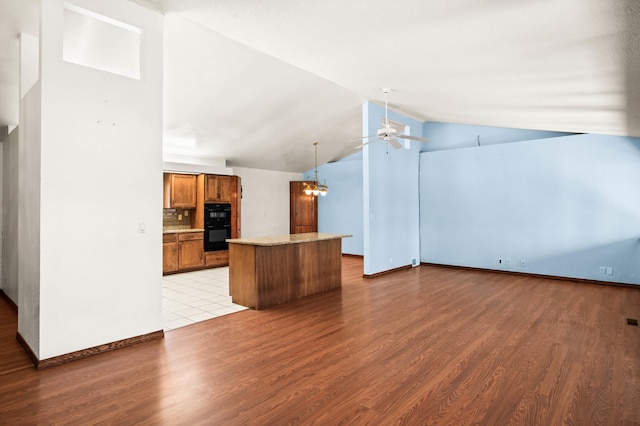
[
  {"x": 10, "y": 215},
  {"x": 100, "y": 279},
  {"x": 265, "y": 201},
  {"x": 29, "y": 226},
  {"x": 567, "y": 206}
]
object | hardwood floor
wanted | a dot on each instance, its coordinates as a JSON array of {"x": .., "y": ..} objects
[
  {"x": 12, "y": 356},
  {"x": 419, "y": 346}
]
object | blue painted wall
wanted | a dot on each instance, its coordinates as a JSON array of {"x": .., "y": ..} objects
[
  {"x": 391, "y": 203},
  {"x": 567, "y": 206},
  {"x": 454, "y": 136},
  {"x": 340, "y": 211}
]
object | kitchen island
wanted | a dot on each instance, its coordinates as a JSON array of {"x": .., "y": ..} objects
[{"x": 267, "y": 271}]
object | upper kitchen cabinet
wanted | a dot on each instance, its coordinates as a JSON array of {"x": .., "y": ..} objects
[
  {"x": 179, "y": 191},
  {"x": 217, "y": 189}
]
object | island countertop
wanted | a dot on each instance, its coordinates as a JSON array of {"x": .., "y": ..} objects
[{"x": 287, "y": 239}]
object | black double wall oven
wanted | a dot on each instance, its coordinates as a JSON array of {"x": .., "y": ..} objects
[{"x": 217, "y": 226}]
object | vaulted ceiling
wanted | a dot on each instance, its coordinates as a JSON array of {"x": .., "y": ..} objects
[{"x": 256, "y": 82}]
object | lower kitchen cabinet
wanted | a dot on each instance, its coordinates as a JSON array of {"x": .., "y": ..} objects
[
  {"x": 169, "y": 253},
  {"x": 217, "y": 258},
  {"x": 182, "y": 252},
  {"x": 190, "y": 250}
]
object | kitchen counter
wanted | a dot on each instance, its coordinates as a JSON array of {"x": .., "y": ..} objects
[
  {"x": 267, "y": 271},
  {"x": 180, "y": 231},
  {"x": 288, "y": 239}
]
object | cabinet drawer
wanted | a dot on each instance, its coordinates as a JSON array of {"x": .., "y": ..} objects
[
  {"x": 169, "y": 238},
  {"x": 188, "y": 236},
  {"x": 217, "y": 258}
]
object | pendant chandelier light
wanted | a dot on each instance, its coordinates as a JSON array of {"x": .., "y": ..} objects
[{"x": 316, "y": 188}]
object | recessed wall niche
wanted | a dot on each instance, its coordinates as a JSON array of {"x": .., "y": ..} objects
[{"x": 100, "y": 42}]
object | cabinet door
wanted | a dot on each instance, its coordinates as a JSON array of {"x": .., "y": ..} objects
[
  {"x": 191, "y": 254},
  {"x": 169, "y": 257},
  {"x": 224, "y": 189},
  {"x": 217, "y": 189},
  {"x": 210, "y": 188},
  {"x": 182, "y": 191}
]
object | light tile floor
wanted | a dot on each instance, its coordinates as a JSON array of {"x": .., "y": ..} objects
[{"x": 196, "y": 296}]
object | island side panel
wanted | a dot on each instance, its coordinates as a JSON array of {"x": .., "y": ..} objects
[
  {"x": 275, "y": 274},
  {"x": 319, "y": 267},
  {"x": 242, "y": 274}
]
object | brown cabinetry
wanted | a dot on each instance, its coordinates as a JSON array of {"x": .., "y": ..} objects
[
  {"x": 235, "y": 195},
  {"x": 303, "y": 209},
  {"x": 169, "y": 253},
  {"x": 179, "y": 191},
  {"x": 230, "y": 190},
  {"x": 186, "y": 251},
  {"x": 217, "y": 258},
  {"x": 182, "y": 251},
  {"x": 217, "y": 189},
  {"x": 190, "y": 250}
]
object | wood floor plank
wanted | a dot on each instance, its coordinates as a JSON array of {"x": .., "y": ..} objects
[
  {"x": 12, "y": 356},
  {"x": 417, "y": 346}
]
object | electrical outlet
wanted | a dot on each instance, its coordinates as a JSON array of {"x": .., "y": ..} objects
[
  {"x": 142, "y": 227},
  {"x": 179, "y": 217},
  {"x": 609, "y": 270},
  {"x": 507, "y": 262},
  {"x": 500, "y": 261},
  {"x": 186, "y": 213},
  {"x": 523, "y": 263},
  {"x": 603, "y": 270}
]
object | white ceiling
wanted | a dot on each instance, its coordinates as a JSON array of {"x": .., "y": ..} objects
[{"x": 256, "y": 82}]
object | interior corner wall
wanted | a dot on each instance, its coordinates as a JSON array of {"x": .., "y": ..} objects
[
  {"x": 565, "y": 206},
  {"x": 28, "y": 218},
  {"x": 101, "y": 192},
  {"x": 10, "y": 215},
  {"x": 265, "y": 201},
  {"x": 341, "y": 210},
  {"x": 390, "y": 196}
]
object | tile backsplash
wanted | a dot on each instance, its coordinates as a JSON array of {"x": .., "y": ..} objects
[{"x": 173, "y": 219}]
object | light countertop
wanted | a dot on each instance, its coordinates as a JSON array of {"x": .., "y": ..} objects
[
  {"x": 180, "y": 231},
  {"x": 287, "y": 239}
]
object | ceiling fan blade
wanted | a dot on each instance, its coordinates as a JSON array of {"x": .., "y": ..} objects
[
  {"x": 362, "y": 145},
  {"x": 414, "y": 138},
  {"x": 363, "y": 137},
  {"x": 395, "y": 143}
]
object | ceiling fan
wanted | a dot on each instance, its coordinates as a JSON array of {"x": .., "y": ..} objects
[{"x": 386, "y": 132}]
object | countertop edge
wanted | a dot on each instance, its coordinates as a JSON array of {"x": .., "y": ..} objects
[
  {"x": 286, "y": 239},
  {"x": 181, "y": 231}
]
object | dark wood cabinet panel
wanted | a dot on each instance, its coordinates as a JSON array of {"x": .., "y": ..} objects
[
  {"x": 303, "y": 209},
  {"x": 235, "y": 188}
]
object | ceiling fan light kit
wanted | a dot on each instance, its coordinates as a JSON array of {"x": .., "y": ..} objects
[
  {"x": 387, "y": 133},
  {"x": 316, "y": 188}
]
